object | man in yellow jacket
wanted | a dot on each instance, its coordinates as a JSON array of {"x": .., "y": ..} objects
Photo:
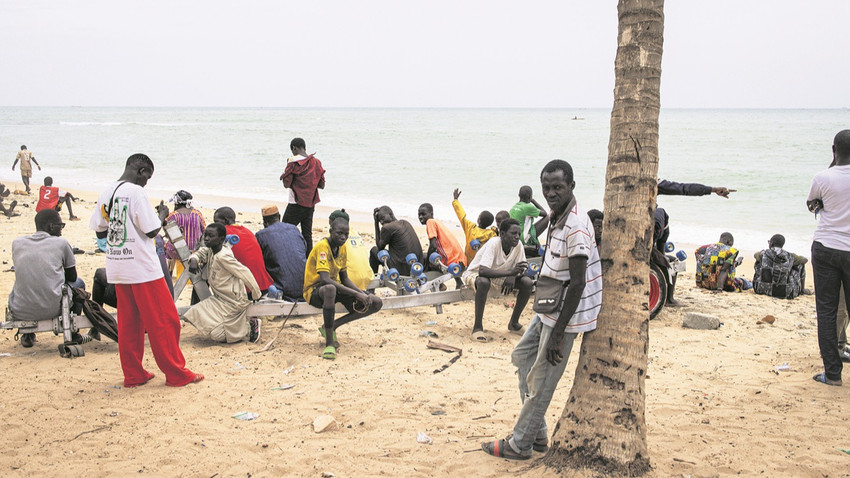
[{"x": 483, "y": 230}]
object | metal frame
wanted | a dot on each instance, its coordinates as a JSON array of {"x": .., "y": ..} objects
[
  {"x": 272, "y": 307},
  {"x": 199, "y": 283},
  {"x": 66, "y": 324}
]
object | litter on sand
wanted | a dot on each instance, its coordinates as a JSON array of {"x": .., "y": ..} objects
[{"x": 246, "y": 416}]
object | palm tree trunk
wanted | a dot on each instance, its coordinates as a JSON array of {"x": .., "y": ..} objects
[{"x": 603, "y": 425}]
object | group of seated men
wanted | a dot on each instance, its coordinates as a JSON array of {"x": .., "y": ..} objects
[
  {"x": 338, "y": 269},
  {"x": 777, "y": 272}
]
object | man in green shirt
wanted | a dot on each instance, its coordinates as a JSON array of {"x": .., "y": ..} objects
[{"x": 526, "y": 212}]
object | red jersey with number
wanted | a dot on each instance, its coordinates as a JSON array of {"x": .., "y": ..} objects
[{"x": 48, "y": 198}]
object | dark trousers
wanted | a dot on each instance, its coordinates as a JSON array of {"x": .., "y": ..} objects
[
  {"x": 303, "y": 216},
  {"x": 831, "y": 269}
]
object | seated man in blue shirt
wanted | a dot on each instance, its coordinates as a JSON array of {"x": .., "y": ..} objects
[{"x": 284, "y": 253}]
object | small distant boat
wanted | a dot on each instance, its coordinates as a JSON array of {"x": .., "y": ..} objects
[{"x": 576, "y": 118}]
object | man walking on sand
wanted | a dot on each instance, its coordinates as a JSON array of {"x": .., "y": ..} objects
[
  {"x": 303, "y": 176},
  {"x": 831, "y": 252},
  {"x": 25, "y": 156},
  {"x": 124, "y": 216},
  {"x": 567, "y": 302}
]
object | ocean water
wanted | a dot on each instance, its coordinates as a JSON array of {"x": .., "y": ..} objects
[{"x": 404, "y": 157}]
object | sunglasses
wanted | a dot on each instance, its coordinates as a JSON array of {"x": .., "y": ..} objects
[{"x": 60, "y": 225}]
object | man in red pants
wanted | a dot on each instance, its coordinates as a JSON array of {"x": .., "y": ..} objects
[{"x": 124, "y": 216}]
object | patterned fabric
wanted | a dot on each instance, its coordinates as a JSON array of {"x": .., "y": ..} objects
[
  {"x": 710, "y": 260},
  {"x": 192, "y": 225},
  {"x": 776, "y": 275}
]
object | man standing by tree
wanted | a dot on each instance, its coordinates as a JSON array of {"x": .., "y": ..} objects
[
  {"x": 124, "y": 216},
  {"x": 568, "y": 299},
  {"x": 303, "y": 176},
  {"x": 831, "y": 252}
]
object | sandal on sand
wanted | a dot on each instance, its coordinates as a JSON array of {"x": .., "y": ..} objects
[
  {"x": 134, "y": 385},
  {"x": 479, "y": 336},
  {"x": 821, "y": 377},
  {"x": 541, "y": 446},
  {"x": 325, "y": 336},
  {"x": 501, "y": 449},
  {"x": 329, "y": 353},
  {"x": 519, "y": 331}
]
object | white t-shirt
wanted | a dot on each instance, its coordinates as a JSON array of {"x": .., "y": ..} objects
[
  {"x": 832, "y": 186},
  {"x": 493, "y": 256},
  {"x": 292, "y": 192},
  {"x": 130, "y": 254},
  {"x": 573, "y": 237}
]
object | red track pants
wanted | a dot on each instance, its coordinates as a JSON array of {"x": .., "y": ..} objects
[{"x": 149, "y": 307}]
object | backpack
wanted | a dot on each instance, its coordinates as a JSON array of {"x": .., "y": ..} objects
[{"x": 774, "y": 275}]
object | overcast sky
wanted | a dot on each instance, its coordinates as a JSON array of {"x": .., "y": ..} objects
[{"x": 397, "y": 53}]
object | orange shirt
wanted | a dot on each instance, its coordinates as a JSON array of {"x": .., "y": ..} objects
[{"x": 447, "y": 244}]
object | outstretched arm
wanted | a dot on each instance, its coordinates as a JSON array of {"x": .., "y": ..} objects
[
  {"x": 13, "y": 164},
  {"x": 721, "y": 191},
  {"x": 32, "y": 158}
]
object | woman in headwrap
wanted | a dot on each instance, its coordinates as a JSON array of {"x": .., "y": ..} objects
[{"x": 190, "y": 220}]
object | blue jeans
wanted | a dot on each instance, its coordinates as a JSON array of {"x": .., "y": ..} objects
[
  {"x": 831, "y": 269},
  {"x": 537, "y": 382}
]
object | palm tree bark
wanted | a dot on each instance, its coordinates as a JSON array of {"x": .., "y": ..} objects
[{"x": 603, "y": 425}]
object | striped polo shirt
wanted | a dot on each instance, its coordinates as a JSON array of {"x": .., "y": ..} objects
[{"x": 573, "y": 236}]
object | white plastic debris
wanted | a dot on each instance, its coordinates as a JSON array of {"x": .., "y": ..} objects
[{"x": 246, "y": 416}]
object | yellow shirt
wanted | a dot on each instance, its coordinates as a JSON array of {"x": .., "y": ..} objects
[
  {"x": 472, "y": 231},
  {"x": 322, "y": 260}
]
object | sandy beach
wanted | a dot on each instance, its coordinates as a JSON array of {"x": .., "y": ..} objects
[{"x": 716, "y": 403}]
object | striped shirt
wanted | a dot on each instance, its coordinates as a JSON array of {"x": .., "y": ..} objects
[{"x": 572, "y": 236}]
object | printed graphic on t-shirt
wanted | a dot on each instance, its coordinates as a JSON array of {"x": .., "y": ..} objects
[{"x": 117, "y": 232}]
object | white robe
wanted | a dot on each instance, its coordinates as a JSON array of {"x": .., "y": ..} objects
[{"x": 223, "y": 316}]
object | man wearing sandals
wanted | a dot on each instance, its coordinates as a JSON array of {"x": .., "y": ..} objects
[
  {"x": 831, "y": 252},
  {"x": 542, "y": 353},
  {"x": 326, "y": 282},
  {"x": 499, "y": 266}
]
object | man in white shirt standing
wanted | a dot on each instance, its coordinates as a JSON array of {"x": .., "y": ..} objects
[
  {"x": 124, "y": 216},
  {"x": 571, "y": 264},
  {"x": 831, "y": 251}
]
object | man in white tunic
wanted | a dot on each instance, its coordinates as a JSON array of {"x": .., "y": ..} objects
[{"x": 223, "y": 317}]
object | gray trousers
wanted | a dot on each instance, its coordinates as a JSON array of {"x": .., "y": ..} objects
[{"x": 537, "y": 382}]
